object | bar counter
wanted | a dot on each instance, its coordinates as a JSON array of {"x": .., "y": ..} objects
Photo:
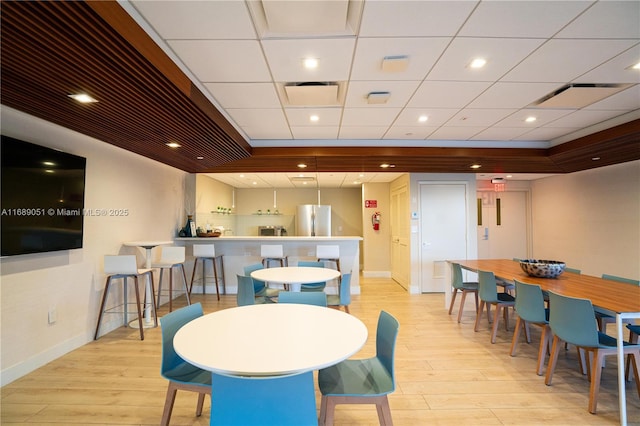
[{"x": 240, "y": 251}]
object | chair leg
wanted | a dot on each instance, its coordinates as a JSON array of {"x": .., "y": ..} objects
[
  {"x": 160, "y": 285},
  {"x": 544, "y": 347},
  {"x": 215, "y": 276},
  {"x": 553, "y": 360},
  {"x": 102, "y": 305},
  {"x": 327, "y": 409},
  {"x": 168, "y": 404},
  {"x": 453, "y": 300},
  {"x": 193, "y": 274},
  {"x": 596, "y": 373},
  {"x": 494, "y": 329},
  {"x": 224, "y": 285},
  {"x": 516, "y": 336},
  {"x": 184, "y": 281},
  {"x": 135, "y": 282},
  {"x": 384, "y": 412},
  {"x": 479, "y": 315},
  {"x": 200, "y": 404}
]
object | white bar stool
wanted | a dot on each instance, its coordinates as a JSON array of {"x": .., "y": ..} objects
[
  {"x": 206, "y": 252},
  {"x": 124, "y": 266},
  {"x": 170, "y": 258},
  {"x": 329, "y": 254},
  {"x": 273, "y": 253}
]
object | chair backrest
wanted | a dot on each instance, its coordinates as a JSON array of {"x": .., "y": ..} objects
[
  {"x": 317, "y": 298},
  {"x": 258, "y": 285},
  {"x": 620, "y": 279},
  {"x": 530, "y": 303},
  {"x": 573, "y": 320},
  {"x": 386, "y": 336},
  {"x": 271, "y": 250},
  {"x": 487, "y": 287},
  {"x": 456, "y": 275},
  {"x": 328, "y": 252},
  {"x": 572, "y": 270},
  {"x": 204, "y": 250},
  {"x": 170, "y": 324},
  {"x": 120, "y": 264},
  {"x": 172, "y": 254},
  {"x": 345, "y": 289},
  {"x": 310, "y": 264},
  {"x": 246, "y": 294}
]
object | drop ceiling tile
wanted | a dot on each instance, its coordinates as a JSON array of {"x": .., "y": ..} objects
[
  {"x": 244, "y": 95},
  {"x": 400, "y": 92},
  {"x": 223, "y": 61},
  {"x": 501, "y": 54},
  {"x": 606, "y": 19},
  {"x": 512, "y": 95},
  {"x": 616, "y": 70},
  {"x": 421, "y": 52},
  {"x": 499, "y": 134},
  {"x": 452, "y": 133},
  {"x": 543, "y": 117},
  {"x": 533, "y": 19},
  {"x": 198, "y": 19},
  {"x": 627, "y": 100},
  {"x": 300, "y": 116},
  {"x": 362, "y": 132},
  {"x": 414, "y": 18},
  {"x": 583, "y": 118},
  {"x": 286, "y": 57},
  {"x": 435, "y": 116},
  {"x": 545, "y": 133},
  {"x": 314, "y": 132},
  {"x": 478, "y": 117},
  {"x": 257, "y": 117},
  {"x": 446, "y": 94},
  {"x": 565, "y": 60},
  {"x": 409, "y": 132},
  {"x": 268, "y": 132},
  {"x": 369, "y": 116}
]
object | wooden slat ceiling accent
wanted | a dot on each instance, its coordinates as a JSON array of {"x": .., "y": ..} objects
[{"x": 52, "y": 49}]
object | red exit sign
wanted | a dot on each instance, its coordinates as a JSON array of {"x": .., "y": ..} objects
[{"x": 370, "y": 204}]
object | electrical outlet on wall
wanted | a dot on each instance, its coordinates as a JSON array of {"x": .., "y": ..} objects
[{"x": 52, "y": 314}]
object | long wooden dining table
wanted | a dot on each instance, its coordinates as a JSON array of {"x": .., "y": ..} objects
[{"x": 622, "y": 300}]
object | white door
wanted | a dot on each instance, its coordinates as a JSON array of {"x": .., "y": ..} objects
[
  {"x": 443, "y": 231},
  {"x": 400, "y": 250},
  {"x": 503, "y": 233}
]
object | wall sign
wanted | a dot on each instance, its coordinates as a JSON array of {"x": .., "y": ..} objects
[{"x": 370, "y": 204}]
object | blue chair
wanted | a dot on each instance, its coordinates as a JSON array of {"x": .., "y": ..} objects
[
  {"x": 180, "y": 374},
  {"x": 260, "y": 288},
  {"x": 488, "y": 293},
  {"x": 309, "y": 298},
  {"x": 363, "y": 381},
  {"x": 572, "y": 320},
  {"x": 458, "y": 284},
  {"x": 343, "y": 298},
  {"x": 312, "y": 286},
  {"x": 531, "y": 310},
  {"x": 572, "y": 270},
  {"x": 604, "y": 317},
  {"x": 246, "y": 293}
]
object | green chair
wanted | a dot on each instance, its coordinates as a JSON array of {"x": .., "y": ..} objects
[
  {"x": 343, "y": 298},
  {"x": 572, "y": 320},
  {"x": 488, "y": 293},
  {"x": 180, "y": 374},
  {"x": 531, "y": 310},
  {"x": 458, "y": 284},
  {"x": 312, "y": 286},
  {"x": 309, "y": 298},
  {"x": 260, "y": 288},
  {"x": 362, "y": 381},
  {"x": 246, "y": 293},
  {"x": 572, "y": 270},
  {"x": 604, "y": 317}
]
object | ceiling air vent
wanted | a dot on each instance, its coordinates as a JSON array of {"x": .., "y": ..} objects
[
  {"x": 579, "y": 95},
  {"x": 312, "y": 93}
]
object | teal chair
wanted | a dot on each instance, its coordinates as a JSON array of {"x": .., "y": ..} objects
[
  {"x": 246, "y": 293},
  {"x": 180, "y": 374},
  {"x": 309, "y": 298},
  {"x": 572, "y": 270},
  {"x": 531, "y": 310},
  {"x": 488, "y": 293},
  {"x": 312, "y": 286},
  {"x": 363, "y": 381},
  {"x": 458, "y": 284},
  {"x": 572, "y": 321},
  {"x": 260, "y": 288},
  {"x": 604, "y": 317},
  {"x": 343, "y": 298}
]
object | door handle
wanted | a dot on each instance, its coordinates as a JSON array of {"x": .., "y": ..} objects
[{"x": 486, "y": 234}]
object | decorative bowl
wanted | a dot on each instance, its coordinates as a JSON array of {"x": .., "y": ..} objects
[{"x": 542, "y": 268}]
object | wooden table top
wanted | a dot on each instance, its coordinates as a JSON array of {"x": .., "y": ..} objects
[{"x": 607, "y": 294}]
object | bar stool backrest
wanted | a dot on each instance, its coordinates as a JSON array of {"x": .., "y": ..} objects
[
  {"x": 204, "y": 250},
  {"x": 120, "y": 265},
  {"x": 271, "y": 250},
  {"x": 328, "y": 252},
  {"x": 172, "y": 254}
]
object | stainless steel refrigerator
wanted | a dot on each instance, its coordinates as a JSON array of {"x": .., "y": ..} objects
[{"x": 313, "y": 220}]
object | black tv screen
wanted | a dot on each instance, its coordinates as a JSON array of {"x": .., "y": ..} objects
[{"x": 42, "y": 198}]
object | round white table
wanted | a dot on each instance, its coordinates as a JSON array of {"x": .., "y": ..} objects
[
  {"x": 262, "y": 358},
  {"x": 148, "y": 246},
  {"x": 295, "y": 276}
]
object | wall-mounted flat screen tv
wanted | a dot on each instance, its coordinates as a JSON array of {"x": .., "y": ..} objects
[{"x": 42, "y": 198}]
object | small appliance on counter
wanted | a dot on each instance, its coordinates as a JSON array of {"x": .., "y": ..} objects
[{"x": 272, "y": 231}]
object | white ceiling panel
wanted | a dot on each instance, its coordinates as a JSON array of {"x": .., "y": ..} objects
[
  {"x": 542, "y": 116},
  {"x": 545, "y": 133},
  {"x": 302, "y": 116},
  {"x": 435, "y": 117},
  {"x": 583, "y": 118},
  {"x": 499, "y": 133},
  {"x": 362, "y": 132},
  {"x": 369, "y": 116},
  {"x": 606, "y": 19},
  {"x": 409, "y": 132},
  {"x": 479, "y": 117},
  {"x": 400, "y": 92},
  {"x": 315, "y": 132},
  {"x": 446, "y": 94},
  {"x": 616, "y": 70},
  {"x": 451, "y": 132},
  {"x": 628, "y": 99},
  {"x": 512, "y": 95},
  {"x": 245, "y": 95}
]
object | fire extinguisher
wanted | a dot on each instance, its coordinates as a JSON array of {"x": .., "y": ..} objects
[{"x": 375, "y": 221}]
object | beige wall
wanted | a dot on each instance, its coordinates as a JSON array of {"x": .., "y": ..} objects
[
  {"x": 590, "y": 220},
  {"x": 376, "y": 251}
]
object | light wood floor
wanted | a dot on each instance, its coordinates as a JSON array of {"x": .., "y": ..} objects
[{"x": 446, "y": 375}]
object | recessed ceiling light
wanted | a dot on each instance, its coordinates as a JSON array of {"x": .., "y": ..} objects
[
  {"x": 314, "y": 118},
  {"x": 241, "y": 176},
  {"x": 423, "y": 118},
  {"x": 254, "y": 183},
  {"x": 200, "y": 157},
  {"x": 302, "y": 166},
  {"x": 49, "y": 171},
  {"x": 530, "y": 119},
  {"x": 509, "y": 176},
  {"x": 310, "y": 63},
  {"x": 48, "y": 163},
  {"x": 475, "y": 166},
  {"x": 595, "y": 158},
  {"x": 83, "y": 98},
  {"x": 478, "y": 63},
  {"x": 635, "y": 66},
  {"x": 173, "y": 145},
  {"x": 386, "y": 165}
]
